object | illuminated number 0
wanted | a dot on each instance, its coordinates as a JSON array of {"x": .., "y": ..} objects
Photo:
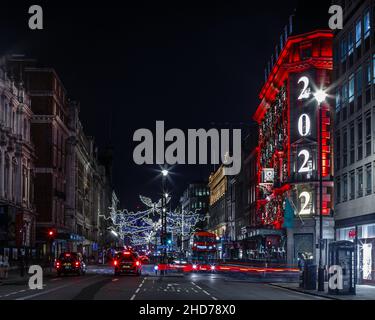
[
  {"x": 306, "y": 195},
  {"x": 304, "y": 125},
  {"x": 305, "y": 93},
  {"x": 306, "y": 155}
]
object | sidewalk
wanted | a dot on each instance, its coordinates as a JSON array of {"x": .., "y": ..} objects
[{"x": 364, "y": 292}]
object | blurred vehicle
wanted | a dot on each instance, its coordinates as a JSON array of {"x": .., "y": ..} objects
[
  {"x": 202, "y": 247},
  {"x": 127, "y": 262},
  {"x": 70, "y": 262},
  {"x": 144, "y": 259}
]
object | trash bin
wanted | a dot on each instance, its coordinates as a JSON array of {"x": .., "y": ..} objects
[{"x": 310, "y": 277}]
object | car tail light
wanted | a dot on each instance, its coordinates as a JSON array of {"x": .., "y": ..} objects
[
  {"x": 77, "y": 263},
  {"x": 137, "y": 263},
  {"x": 194, "y": 266},
  {"x": 57, "y": 264},
  {"x": 115, "y": 262}
]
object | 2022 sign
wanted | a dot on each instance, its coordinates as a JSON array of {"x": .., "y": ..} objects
[{"x": 303, "y": 139}]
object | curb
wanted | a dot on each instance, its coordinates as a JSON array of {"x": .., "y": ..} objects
[{"x": 304, "y": 292}]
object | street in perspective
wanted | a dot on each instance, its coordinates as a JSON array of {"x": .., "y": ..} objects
[{"x": 219, "y": 153}]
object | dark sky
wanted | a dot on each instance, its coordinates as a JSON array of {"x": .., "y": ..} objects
[{"x": 188, "y": 63}]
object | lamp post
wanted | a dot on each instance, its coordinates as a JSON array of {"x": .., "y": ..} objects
[
  {"x": 165, "y": 173},
  {"x": 320, "y": 97}
]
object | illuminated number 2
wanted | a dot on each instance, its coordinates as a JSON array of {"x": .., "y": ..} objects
[
  {"x": 306, "y": 155},
  {"x": 304, "y": 125},
  {"x": 306, "y": 92},
  {"x": 306, "y": 196}
]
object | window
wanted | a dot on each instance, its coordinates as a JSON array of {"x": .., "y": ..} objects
[
  {"x": 338, "y": 99},
  {"x": 359, "y": 80},
  {"x": 352, "y": 185},
  {"x": 351, "y": 88},
  {"x": 359, "y": 139},
  {"x": 350, "y": 43},
  {"x": 351, "y": 144},
  {"x": 366, "y": 24},
  {"x": 368, "y": 134},
  {"x": 345, "y": 187},
  {"x": 338, "y": 150},
  {"x": 344, "y": 96},
  {"x": 338, "y": 190},
  {"x": 360, "y": 182},
  {"x": 368, "y": 73},
  {"x": 368, "y": 179},
  {"x": 343, "y": 48},
  {"x": 358, "y": 33},
  {"x": 345, "y": 147}
]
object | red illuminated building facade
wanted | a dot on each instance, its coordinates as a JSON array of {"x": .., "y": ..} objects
[{"x": 291, "y": 156}]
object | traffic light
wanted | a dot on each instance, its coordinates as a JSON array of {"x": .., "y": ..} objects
[
  {"x": 169, "y": 238},
  {"x": 51, "y": 234}
]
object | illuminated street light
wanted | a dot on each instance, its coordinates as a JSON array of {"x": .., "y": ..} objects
[
  {"x": 114, "y": 233},
  {"x": 164, "y": 172},
  {"x": 320, "y": 96},
  {"x": 166, "y": 195}
]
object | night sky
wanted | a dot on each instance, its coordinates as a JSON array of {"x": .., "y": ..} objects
[{"x": 191, "y": 64}]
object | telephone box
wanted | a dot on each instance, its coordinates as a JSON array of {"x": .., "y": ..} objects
[{"x": 342, "y": 255}]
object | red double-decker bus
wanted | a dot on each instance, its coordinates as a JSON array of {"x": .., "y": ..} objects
[{"x": 203, "y": 247}]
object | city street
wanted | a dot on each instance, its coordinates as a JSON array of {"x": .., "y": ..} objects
[{"x": 100, "y": 284}]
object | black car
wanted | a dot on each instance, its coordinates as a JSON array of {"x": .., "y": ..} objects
[
  {"x": 127, "y": 262},
  {"x": 70, "y": 262}
]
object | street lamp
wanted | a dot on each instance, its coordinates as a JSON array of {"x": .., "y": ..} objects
[
  {"x": 320, "y": 96},
  {"x": 164, "y": 198}
]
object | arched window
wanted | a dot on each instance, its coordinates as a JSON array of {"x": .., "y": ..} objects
[
  {"x": 25, "y": 129},
  {"x": 6, "y": 177}
]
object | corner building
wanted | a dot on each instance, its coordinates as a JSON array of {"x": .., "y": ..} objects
[{"x": 295, "y": 150}]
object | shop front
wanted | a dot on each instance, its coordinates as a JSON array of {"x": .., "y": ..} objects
[{"x": 364, "y": 237}]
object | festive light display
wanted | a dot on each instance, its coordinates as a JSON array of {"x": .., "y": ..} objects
[{"x": 142, "y": 226}]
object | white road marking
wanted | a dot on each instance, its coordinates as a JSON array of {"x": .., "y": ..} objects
[
  {"x": 113, "y": 280},
  {"x": 207, "y": 293},
  {"x": 51, "y": 290},
  {"x": 137, "y": 290}
]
